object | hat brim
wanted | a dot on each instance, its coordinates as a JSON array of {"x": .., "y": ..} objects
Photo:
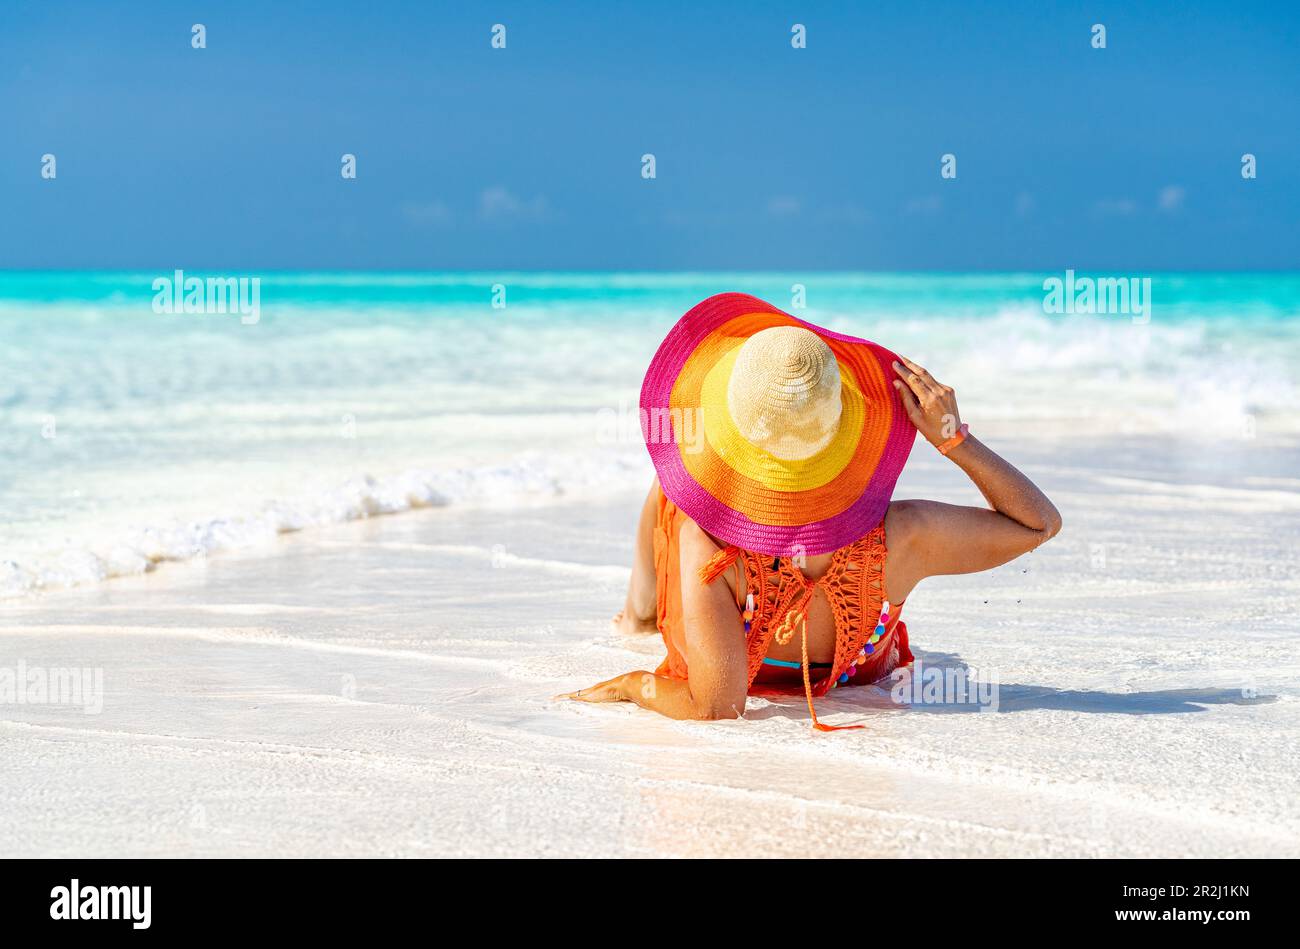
[{"x": 741, "y": 494}]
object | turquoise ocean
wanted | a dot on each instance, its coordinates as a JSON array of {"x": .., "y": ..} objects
[{"x": 129, "y": 436}]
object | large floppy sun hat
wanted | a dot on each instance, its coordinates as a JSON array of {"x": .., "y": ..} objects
[{"x": 771, "y": 433}]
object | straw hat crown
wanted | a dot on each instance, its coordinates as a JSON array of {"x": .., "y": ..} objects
[{"x": 784, "y": 392}]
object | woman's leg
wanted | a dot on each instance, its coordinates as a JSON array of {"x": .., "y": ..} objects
[{"x": 638, "y": 615}]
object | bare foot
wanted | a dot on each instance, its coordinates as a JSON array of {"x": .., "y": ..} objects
[{"x": 629, "y": 625}]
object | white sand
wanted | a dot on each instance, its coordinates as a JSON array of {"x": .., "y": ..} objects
[{"x": 383, "y": 688}]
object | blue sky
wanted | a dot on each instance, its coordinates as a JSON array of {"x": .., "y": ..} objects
[{"x": 768, "y": 157}]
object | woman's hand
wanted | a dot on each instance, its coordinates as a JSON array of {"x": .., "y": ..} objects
[
  {"x": 667, "y": 696},
  {"x": 611, "y": 690},
  {"x": 932, "y": 407}
]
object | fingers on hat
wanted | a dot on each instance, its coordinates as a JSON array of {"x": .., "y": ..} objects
[
  {"x": 914, "y": 381},
  {"x": 909, "y": 401}
]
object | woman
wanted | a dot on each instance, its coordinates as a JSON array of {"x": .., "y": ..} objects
[{"x": 761, "y": 553}]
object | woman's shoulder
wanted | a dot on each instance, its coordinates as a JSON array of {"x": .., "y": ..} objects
[
  {"x": 908, "y": 518},
  {"x": 696, "y": 543},
  {"x": 907, "y": 523}
]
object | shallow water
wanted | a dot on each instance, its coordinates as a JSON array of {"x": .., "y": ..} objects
[{"x": 129, "y": 437}]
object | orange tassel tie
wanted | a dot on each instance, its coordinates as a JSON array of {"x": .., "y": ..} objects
[{"x": 718, "y": 564}]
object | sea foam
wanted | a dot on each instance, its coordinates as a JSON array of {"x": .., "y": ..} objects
[{"x": 142, "y": 549}]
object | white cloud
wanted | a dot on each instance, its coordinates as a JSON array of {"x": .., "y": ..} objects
[
  {"x": 1115, "y": 207},
  {"x": 1171, "y": 198},
  {"x": 427, "y": 214},
  {"x": 784, "y": 206},
  {"x": 929, "y": 204},
  {"x": 498, "y": 203},
  {"x": 847, "y": 214}
]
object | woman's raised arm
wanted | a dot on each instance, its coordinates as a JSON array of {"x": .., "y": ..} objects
[{"x": 928, "y": 538}]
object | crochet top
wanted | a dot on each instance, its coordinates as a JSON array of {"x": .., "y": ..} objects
[{"x": 870, "y": 637}]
